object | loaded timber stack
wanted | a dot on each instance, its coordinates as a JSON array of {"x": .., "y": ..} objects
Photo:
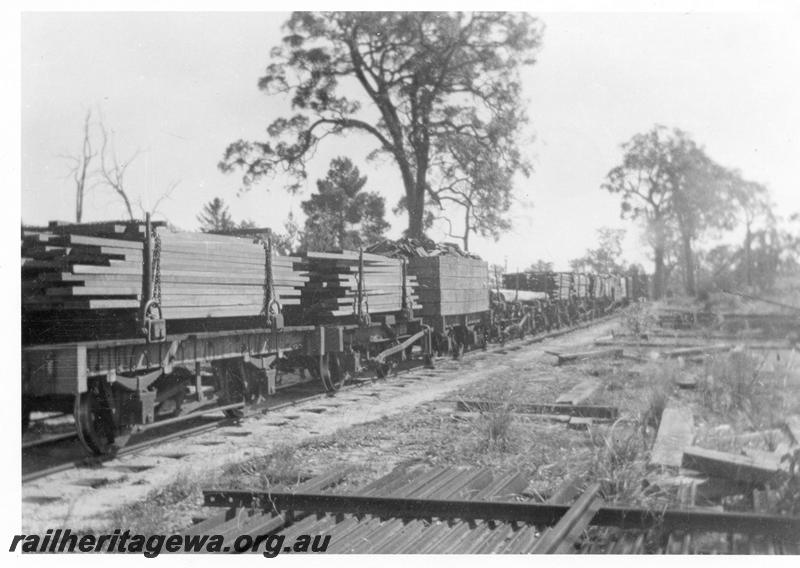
[
  {"x": 347, "y": 284},
  {"x": 88, "y": 282},
  {"x": 77, "y": 286},
  {"x": 542, "y": 282},
  {"x": 562, "y": 286},
  {"x": 451, "y": 282},
  {"x": 582, "y": 285},
  {"x": 451, "y": 285}
]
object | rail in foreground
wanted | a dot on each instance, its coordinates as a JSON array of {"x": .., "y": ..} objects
[{"x": 447, "y": 510}]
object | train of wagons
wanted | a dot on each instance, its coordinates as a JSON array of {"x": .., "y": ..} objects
[{"x": 118, "y": 375}]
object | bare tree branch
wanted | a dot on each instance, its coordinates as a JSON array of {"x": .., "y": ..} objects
[
  {"x": 112, "y": 171},
  {"x": 154, "y": 209},
  {"x": 80, "y": 168}
]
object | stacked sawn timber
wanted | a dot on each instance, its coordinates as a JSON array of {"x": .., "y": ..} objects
[
  {"x": 517, "y": 281},
  {"x": 451, "y": 285},
  {"x": 65, "y": 298},
  {"x": 582, "y": 285},
  {"x": 332, "y": 287},
  {"x": 210, "y": 276},
  {"x": 562, "y": 286},
  {"x": 451, "y": 282},
  {"x": 78, "y": 283}
]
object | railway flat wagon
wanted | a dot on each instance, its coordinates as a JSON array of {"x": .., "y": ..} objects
[
  {"x": 454, "y": 299},
  {"x": 150, "y": 327},
  {"x": 453, "y": 293}
]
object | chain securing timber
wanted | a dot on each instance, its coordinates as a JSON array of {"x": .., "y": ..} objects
[
  {"x": 361, "y": 307},
  {"x": 157, "y": 269},
  {"x": 272, "y": 309},
  {"x": 153, "y": 323},
  {"x": 408, "y": 303}
]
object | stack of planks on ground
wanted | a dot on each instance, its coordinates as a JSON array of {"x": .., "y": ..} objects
[
  {"x": 332, "y": 287},
  {"x": 85, "y": 281}
]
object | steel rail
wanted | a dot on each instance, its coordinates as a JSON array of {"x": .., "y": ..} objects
[
  {"x": 581, "y": 410},
  {"x": 127, "y": 450},
  {"x": 50, "y": 439},
  {"x": 533, "y": 513}
]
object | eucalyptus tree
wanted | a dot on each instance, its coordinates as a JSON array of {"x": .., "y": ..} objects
[
  {"x": 415, "y": 83},
  {"x": 669, "y": 182}
]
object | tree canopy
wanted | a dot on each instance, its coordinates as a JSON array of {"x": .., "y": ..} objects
[
  {"x": 668, "y": 181},
  {"x": 215, "y": 217},
  {"x": 540, "y": 266},
  {"x": 471, "y": 177},
  {"x": 340, "y": 214},
  {"x": 607, "y": 257},
  {"x": 437, "y": 92}
]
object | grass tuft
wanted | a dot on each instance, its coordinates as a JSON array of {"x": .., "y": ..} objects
[
  {"x": 639, "y": 319},
  {"x": 618, "y": 462},
  {"x": 280, "y": 467},
  {"x": 494, "y": 429},
  {"x": 497, "y": 429},
  {"x": 156, "y": 513},
  {"x": 657, "y": 391},
  {"x": 731, "y": 381}
]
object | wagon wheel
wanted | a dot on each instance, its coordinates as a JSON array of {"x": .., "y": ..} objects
[
  {"x": 439, "y": 346},
  {"x": 171, "y": 407},
  {"x": 230, "y": 385},
  {"x": 382, "y": 370},
  {"x": 339, "y": 376},
  {"x": 320, "y": 368},
  {"x": 95, "y": 423}
]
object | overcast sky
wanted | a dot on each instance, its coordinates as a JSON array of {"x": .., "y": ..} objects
[{"x": 179, "y": 87}]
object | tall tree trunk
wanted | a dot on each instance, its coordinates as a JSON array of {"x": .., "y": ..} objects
[
  {"x": 416, "y": 210},
  {"x": 656, "y": 225},
  {"x": 688, "y": 263},
  {"x": 127, "y": 201},
  {"x": 79, "y": 205}
]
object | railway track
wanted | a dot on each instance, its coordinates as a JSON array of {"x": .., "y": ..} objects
[
  {"x": 48, "y": 439},
  {"x": 449, "y": 510},
  {"x": 62, "y": 452}
]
